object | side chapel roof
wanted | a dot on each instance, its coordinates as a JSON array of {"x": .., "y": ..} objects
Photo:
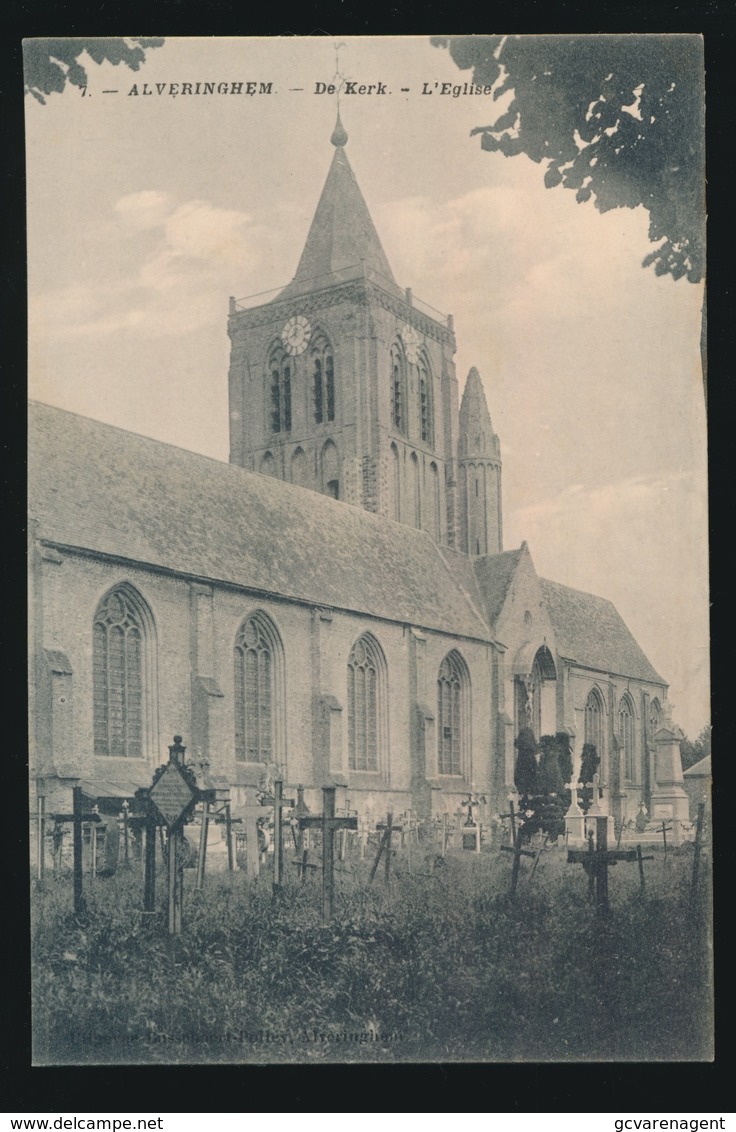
[
  {"x": 99, "y": 488},
  {"x": 591, "y": 631}
]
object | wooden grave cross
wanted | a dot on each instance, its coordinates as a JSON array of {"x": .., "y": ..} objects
[
  {"x": 641, "y": 859},
  {"x": 77, "y": 817},
  {"x": 597, "y": 860},
  {"x": 518, "y": 852},
  {"x": 384, "y": 847},
  {"x": 409, "y": 835},
  {"x": 301, "y": 836},
  {"x": 279, "y": 802},
  {"x": 664, "y": 829},
  {"x": 225, "y": 817},
  {"x": 329, "y": 824},
  {"x": 344, "y": 832},
  {"x": 512, "y": 816}
]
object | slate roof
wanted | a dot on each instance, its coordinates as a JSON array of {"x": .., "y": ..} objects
[
  {"x": 494, "y": 573},
  {"x": 590, "y": 631},
  {"x": 100, "y": 488},
  {"x": 700, "y": 769},
  {"x": 342, "y": 234}
]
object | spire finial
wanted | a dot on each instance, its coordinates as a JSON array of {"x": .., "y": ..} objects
[{"x": 339, "y": 134}]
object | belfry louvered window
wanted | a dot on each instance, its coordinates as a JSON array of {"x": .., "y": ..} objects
[
  {"x": 280, "y": 393},
  {"x": 451, "y": 689},
  {"x": 254, "y": 687},
  {"x": 425, "y": 403},
  {"x": 398, "y": 390},
  {"x": 364, "y": 694},
  {"x": 118, "y": 677},
  {"x": 323, "y": 378}
]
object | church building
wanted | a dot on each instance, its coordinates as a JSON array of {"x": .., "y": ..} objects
[{"x": 335, "y": 605}]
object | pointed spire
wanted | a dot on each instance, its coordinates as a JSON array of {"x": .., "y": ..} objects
[
  {"x": 339, "y": 134},
  {"x": 477, "y": 437},
  {"x": 342, "y": 237}
]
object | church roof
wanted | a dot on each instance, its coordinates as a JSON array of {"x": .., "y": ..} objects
[
  {"x": 342, "y": 235},
  {"x": 494, "y": 573},
  {"x": 700, "y": 769},
  {"x": 101, "y": 489},
  {"x": 590, "y": 631}
]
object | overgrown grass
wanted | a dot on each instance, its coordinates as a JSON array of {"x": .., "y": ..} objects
[{"x": 442, "y": 966}]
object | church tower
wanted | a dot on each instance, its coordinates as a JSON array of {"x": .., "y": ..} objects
[
  {"x": 343, "y": 383},
  {"x": 479, "y": 473}
]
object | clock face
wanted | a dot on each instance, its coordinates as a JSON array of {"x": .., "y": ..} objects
[
  {"x": 295, "y": 334},
  {"x": 412, "y": 342}
]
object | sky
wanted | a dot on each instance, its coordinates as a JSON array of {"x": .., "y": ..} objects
[{"x": 146, "y": 212}]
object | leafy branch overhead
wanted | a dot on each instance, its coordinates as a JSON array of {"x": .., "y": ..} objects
[
  {"x": 617, "y": 118},
  {"x": 48, "y": 64}
]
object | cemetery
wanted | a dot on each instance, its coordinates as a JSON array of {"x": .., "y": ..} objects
[{"x": 187, "y": 935}]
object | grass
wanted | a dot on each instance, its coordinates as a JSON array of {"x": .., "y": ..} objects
[{"x": 442, "y": 966}]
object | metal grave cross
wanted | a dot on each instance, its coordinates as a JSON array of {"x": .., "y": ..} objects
[
  {"x": 173, "y": 794},
  {"x": 471, "y": 830},
  {"x": 329, "y": 824},
  {"x": 596, "y": 862},
  {"x": 77, "y": 817},
  {"x": 384, "y": 846}
]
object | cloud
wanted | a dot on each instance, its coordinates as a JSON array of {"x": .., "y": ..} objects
[
  {"x": 175, "y": 250},
  {"x": 145, "y": 209}
]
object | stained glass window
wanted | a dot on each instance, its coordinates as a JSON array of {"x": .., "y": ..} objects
[
  {"x": 117, "y": 676},
  {"x": 451, "y": 689},
  {"x": 363, "y": 705}
]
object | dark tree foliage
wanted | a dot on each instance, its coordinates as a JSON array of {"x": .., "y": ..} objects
[
  {"x": 549, "y": 777},
  {"x": 589, "y": 763},
  {"x": 564, "y": 756},
  {"x": 525, "y": 774},
  {"x": 693, "y": 750},
  {"x": 48, "y": 64},
  {"x": 575, "y": 108}
]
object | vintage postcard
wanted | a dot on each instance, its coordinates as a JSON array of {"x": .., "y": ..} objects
[{"x": 369, "y": 572}]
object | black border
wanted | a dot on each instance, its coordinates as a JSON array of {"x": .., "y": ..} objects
[{"x": 650, "y": 1087}]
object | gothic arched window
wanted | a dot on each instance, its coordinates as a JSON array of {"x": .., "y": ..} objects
[
  {"x": 299, "y": 469},
  {"x": 452, "y": 714},
  {"x": 330, "y": 470},
  {"x": 626, "y": 736},
  {"x": 122, "y": 632},
  {"x": 366, "y": 695},
  {"x": 398, "y": 389},
  {"x": 655, "y": 717},
  {"x": 396, "y": 482},
  {"x": 280, "y": 370},
  {"x": 426, "y": 415},
  {"x": 594, "y": 721},
  {"x": 323, "y": 379},
  {"x": 258, "y": 693},
  {"x": 415, "y": 489},
  {"x": 434, "y": 484}
]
